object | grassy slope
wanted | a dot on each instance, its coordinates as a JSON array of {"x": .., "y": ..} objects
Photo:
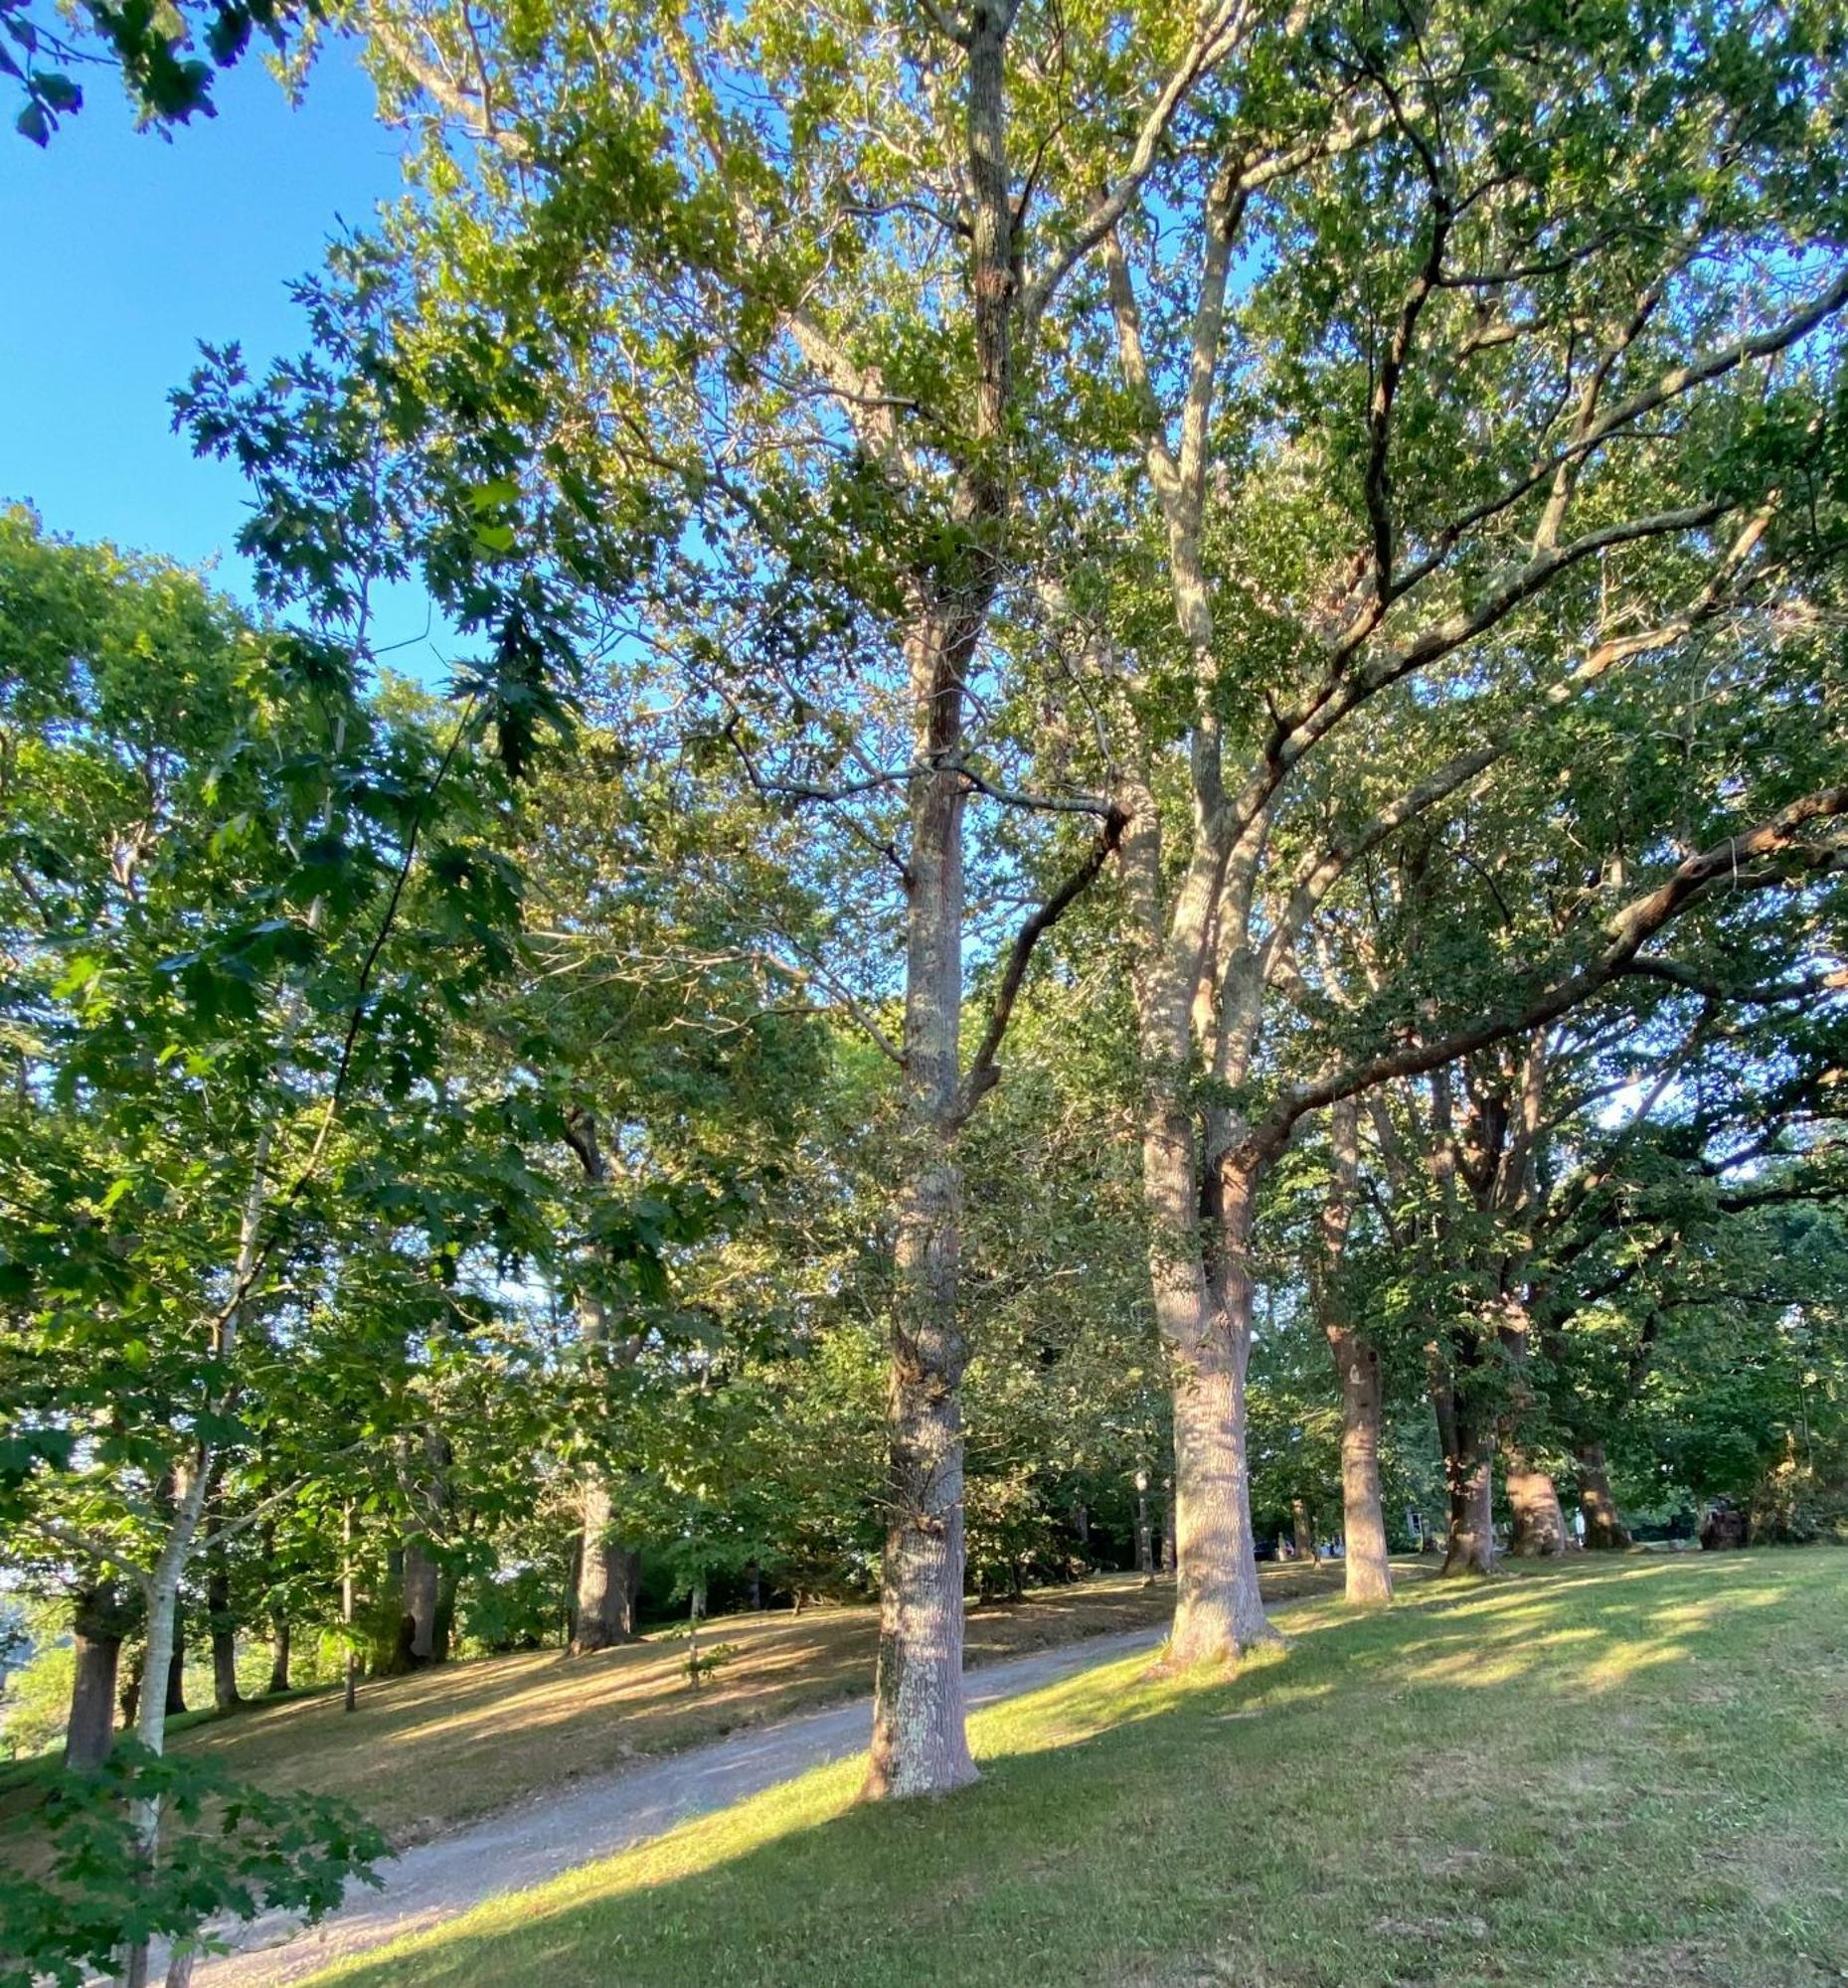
[
  {"x": 1627, "y": 1773},
  {"x": 423, "y": 1754}
]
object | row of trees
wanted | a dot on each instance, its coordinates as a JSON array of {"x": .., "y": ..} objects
[{"x": 1276, "y": 573}]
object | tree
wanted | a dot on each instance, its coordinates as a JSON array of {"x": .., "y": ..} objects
[
  {"x": 875, "y": 355},
  {"x": 1396, "y": 454},
  {"x": 167, "y": 57}
]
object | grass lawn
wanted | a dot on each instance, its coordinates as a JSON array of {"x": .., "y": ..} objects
[
  {"x": 1616, "y": 1774},
  {"x": 423, "y": 1754}
]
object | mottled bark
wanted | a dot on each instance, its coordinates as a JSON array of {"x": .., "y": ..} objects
[
  {"x": 608, "y": 1574},
  {"x": 1605, "y": 1531},
  {"x": 919, "y": 1745},
  {"x": 101, "y": 1619}
]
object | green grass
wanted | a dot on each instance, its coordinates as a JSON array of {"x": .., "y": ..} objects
[
  {"x": 427, "y": 1753},
  {"x": 1628, "y": 1774}
]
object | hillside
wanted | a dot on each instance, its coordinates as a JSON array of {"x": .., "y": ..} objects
[
  {"x": 423, "y": 1754},
  {"x": 1611, "y": 1774}
]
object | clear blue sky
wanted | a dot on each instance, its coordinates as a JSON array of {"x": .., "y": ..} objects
[{"x": 120, "y": 251}]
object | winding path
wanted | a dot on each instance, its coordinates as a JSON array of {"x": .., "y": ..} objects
[{"x": 523, "y": 1847}]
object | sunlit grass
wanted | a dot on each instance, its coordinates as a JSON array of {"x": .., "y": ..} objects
[
  {"x": 426, "y": 1753},
  {"x": 1625, "y": 1774}
]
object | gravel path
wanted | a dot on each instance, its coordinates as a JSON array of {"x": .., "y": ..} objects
[{"x": 524, "y": 1847}]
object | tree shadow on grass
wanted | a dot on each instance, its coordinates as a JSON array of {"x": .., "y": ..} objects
[{"x": 1393, "y": 1797}]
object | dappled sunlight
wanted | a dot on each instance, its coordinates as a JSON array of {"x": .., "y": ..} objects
[{"x": 1218, "y": 1789}]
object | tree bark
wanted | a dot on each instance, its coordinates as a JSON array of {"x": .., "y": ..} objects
[
  {"x": 131, "y": 1685},
  {"x": 422, "y": 1584},
  {"x": 1368, "y": 1570},
  {"x": 1223, "y": 1611},
  {"x": 224, "y": 1694},
  {"x": 1469, "y": 1480},
  {"x": 1605, "y": 1531},
  {"x": 1145, "y": 1539},
  {"x": 390, "y": 1628},
  {"x": 100, "y": 1622},
  {"x": 919, "y": 1743},
  {"x": 608, "y": 1574},
  {"x": 174, "y": 1698},
  {"x": 278, "y": 1653},
  {"x": 1303, "y": 1534},
  {"x": 1538, "y": 1531}
]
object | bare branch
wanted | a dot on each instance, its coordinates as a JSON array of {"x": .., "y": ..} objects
[{"x": 984, "y": 1073}]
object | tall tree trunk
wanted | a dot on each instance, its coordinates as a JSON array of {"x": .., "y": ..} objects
[
  {"x": 1466, "y": 1439},
  {"x": 1219, "y": 1609},
  {"x": 1605, "y": 1531},
  {"x": 1170, "y": 1555},
  {"x": 387, "y": 1646},
  {"x": 919, "y": 1745},
  {"x": 919, "y": 1742},
  {"x": 1538, "y": 1529},
  {"x": 350, "y": 1682},
  {"x": 1303, "y": 1534},
  {"x": 1368, "y": 1570},
  {"x": 100, "y": 1621},
  {"x": 224, "y": 1694},
  {"x": 174, "y": 1697},
  {"x": 131, "y": 1685},
  {"x": 1469, "y": 1480},
  {"x": 608, "y": 1574},
  {"x": 279, "y": 1652},
  {"x": 422, "y": 1587},
  {"x": 1145, "y": 1539}
]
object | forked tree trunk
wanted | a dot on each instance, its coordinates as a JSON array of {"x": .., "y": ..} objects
[
  {"x": 1368, "y": 1570},
  {"x": 1605, "y": 1531},
  {"x": 608, "y": 1574},
  {"x": 100, "y": 1622},
  {"x": 1538, "y": 1528}
]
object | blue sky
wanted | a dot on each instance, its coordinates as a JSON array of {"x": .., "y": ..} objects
[{"x": 121, "y": 250}]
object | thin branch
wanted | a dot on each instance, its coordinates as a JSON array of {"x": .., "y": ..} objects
[{"x": 984, "y": 1073}]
